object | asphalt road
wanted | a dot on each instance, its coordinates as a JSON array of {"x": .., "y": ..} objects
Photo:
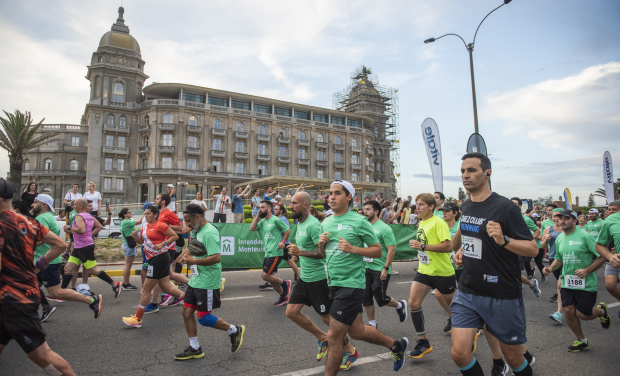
[{"x": 274, "y": 345}]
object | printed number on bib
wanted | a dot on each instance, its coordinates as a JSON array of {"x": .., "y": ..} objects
[
  {"x": 472, "y": 247},
  {"x": 423, "y": 257},
  {"x": 194, "y": 269},
  {"x": 149, "y": 271},
  {"x": 574, "y": 282},
  {"x": 368, "y": 259}
]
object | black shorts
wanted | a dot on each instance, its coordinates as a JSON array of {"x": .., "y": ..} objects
[
  {"x": 346, "y": 304},
  {"x": 445, "y": 285},
  {"x": 50, "y": 277},
  {"x": 159, "y": 266},
  {"x": 377, "y": 288},
  {"x": 22, "y": 323},
  {"x": 583, "y": 301},
  {"x": 287, "y": 256},
  {"x": 84, "y": 254},
  {"x": 174, "y": 254},
  {"x": 556, "y": 273},
  {"x": 202, "y": 300},
  {"x": 315, "y": 294},
  {"x": 523, "y": 260},
  {"x": 270, "y": 264},
  {"x": 457, "y": 274}
]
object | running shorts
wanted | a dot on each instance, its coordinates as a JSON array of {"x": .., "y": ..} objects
[
  {"x": 159, "y": 266},
  {"x": 445, "y": 285},
  {"x": 50, "y": 277},
  {"x": 376, "y": 288},
  {"x": 457, "y": 274},
  {"x": 610, "y": 270},
  {"x": 145, "y": 261},
  {"x": 315, "y": 294},
  {"x": 346, "y": 304},
  {"x": 22, "y": 323},
  {"x": 556, "y": 273},
  {"x": 270, "y": 264},
  {"x": 202, "y": 300},
  {"x": 505, "y": 318},
  {"x": 583, "y": 301},
  {"x": 85, "y": 255}
]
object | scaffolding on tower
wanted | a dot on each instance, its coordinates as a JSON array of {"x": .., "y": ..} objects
[{"x": 364, "y": 96}]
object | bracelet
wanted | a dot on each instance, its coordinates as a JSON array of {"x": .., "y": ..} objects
[{"x": 41, "y": 263}]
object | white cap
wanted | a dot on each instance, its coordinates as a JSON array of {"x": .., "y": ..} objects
[
  {"x": 349, "y": 187},
  {"x": 594, "y": 210},
  {"x": 170, "y": 186},
  {"x": 278, "y": 197},
  {"x": 46, "y": 199},
  {"x": 83, "y": 289},
  {"x": 535, "y": 215},
  {"x": 329, "y": 212}
]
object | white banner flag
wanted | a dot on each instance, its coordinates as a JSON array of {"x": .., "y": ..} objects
[
  {"x": 608, "y": 175},
  {"x": 430, "y": 134}
]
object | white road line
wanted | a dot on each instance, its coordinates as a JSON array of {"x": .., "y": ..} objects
[
  {"x": 399, "y": 283},
  {"x": 613, "y": 305},
  {"x": 243, "y": 297},
  {"x": 319, "y": 370}
]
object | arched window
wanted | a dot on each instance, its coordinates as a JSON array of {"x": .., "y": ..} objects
[
  {"x": 111, "y": 119},
  {"x": 378, "y": 151},
  {"x": 122, "y": 121},
  {"x": 218, "y": 124},
  {"x": 338, "y": 158},
  {"x": 146, "y": 119},
  {"x": 282, "y": 132},
  {"x": 193, "y": 121},
  {"x": 118, "y": 92},
  {"x": 240, "y": 127},
  {"x": 261, "y": 129},
  {"x": 302, "y": 135},
  {"x": 338, "y": 140},
  {"x": 354, "y": 159},
  {"x": 48, "y": 164},
  {"x": 354, "y": 142},
  {"x": 74, "y": 165},
  {"x": 320, "y": 137},
  {"x": 367, "y": 161},
  {"x": 367, "y": 144},
  {"x": 167, "y": 118}
]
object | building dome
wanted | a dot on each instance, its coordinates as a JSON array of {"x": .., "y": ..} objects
[{"x": 119, "y": 36}]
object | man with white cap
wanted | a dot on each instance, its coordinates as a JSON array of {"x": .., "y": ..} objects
[
  {"x": 173, "y": 198},
  {"x": 595, "y": 223},
  {"x": 346, "y": 238},
  {"x": 42, "y": 208}
]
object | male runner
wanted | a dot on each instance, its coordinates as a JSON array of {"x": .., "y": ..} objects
[
  {"x": 274, "y": 233},
  {"x": 83, "y": 227},
  {"x": 312, "y": 289},
  {"x": 280, "y": 211},
  {"x": 525, "y": 262},
  {"x": 492, "y": 234},
  {"x": 435, "y": 268},
  {"x": 19, "y": 290},
  {"x": 379, "y": 270},
  {"x": 550, "y": 235},
  {"x": 342, "y": 244},
  {"x": 594, "y": 224},
  {"x": 610, "y": 235},
  {"x": 439, "y": 199},
  {"x": 576, "y": 255},
  {"x": 548, "y": 221},
  {"x": 202, "y": 256}
]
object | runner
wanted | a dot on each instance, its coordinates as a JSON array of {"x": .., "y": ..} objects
[
  {"x": 492, "y": 234},
  {"x": 281, "y": 212},
  {"x": 312, "y": 289},
  {"x": 549, "y": 237},
  {"x": 19, "y": 290},
  {"x": 452, "y": 215},
  {"x": 524, "y": 261},
  {"x": 342, "y": 243},
  {"x": 439, "y": 199},
  {"x": 155, "y": 235},
  {"x": 610, "y": 236},
  {"x": 576, "y": 255},
  {"x": 594, "y": 224},
  {"x": 203, "y": 294},
  {"x": 128, "y": 226},
  {"x": 271, "y": 229},
  {"x": 379, "y": 270},
  {"x": 549, "y": 220}
]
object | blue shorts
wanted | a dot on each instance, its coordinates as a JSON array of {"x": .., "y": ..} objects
[
  {"x": 50, "y": 276},
  {"x": 128, "y": 251},
  {"x": 505, "y": 318},
  {"x": 144, "y": 259}
]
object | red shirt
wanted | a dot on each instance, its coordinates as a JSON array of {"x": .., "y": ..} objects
[
  {"x": 168, "y": 217},
  {"x": 18, "y": 238},
  {"x": 155, "y": 235}
]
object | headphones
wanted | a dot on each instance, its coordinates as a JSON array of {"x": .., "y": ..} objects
[{"x": 488, "y": 174}]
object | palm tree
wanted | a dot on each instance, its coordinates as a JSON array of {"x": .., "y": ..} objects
[
  {"x": 600, "y": 192},
  {"x": 17, "y": 137}
]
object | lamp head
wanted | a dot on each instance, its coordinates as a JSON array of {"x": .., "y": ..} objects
[
  {"x": 507, "y": 1},
  {"x": 429, "y": 40}
]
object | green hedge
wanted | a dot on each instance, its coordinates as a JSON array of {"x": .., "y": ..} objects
[
  {"x": 247, "y": 207},
  {"x": 317, "y": 202},
  {"x": 247, "y": 213},
  {"x": 248, "y": 220},
  {"x": 319, "y": 208}
]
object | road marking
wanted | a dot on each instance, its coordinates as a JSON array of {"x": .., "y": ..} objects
[
  {"x": 243, "y": 297},
  {"x": 613, "y": 305},
  {"x": 319, "y": 370},
  {"x": 399, "y": 283}
]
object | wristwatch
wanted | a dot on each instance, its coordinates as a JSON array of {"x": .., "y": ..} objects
[
  {"x": 386, "y": 267},
  {"x": 165, "y": 244},
  {"x": 507, "y": 240},
  {"x": 423, "y": 247}
]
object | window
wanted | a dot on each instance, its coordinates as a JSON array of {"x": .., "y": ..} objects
[
  {"x": 118, "y": 92},
  {"x": 120, "y": 184},
  {"x": 239, "y": 168},
  {"x": 302, "y": 153},
  {"x": 321, "y": 118},
  {"x": 218, "y": 101},
  {"x": 320, "y": 137},
  {"x": 145, "y": 141},
  {"x": 262, "y": 149},
  {"x": 282, "y": 132},
  {"x": 338, "y": 158},
  {"x": 52, "y": 143},
  {"x": 109, "y": 140},
  {"x": 145, "y": 164},
  {"x": 282, "y": 152},
  {"x": 283, "y": 112},
  {"x": 240, "y": 127},
  {"x": 262, "y": 108},
  {"x": 302, "y": 135},
  {"x": 217, "y": 166},
  {"x": 354, "y": 176},
  {"x": 379, "y": 167},
  {"x": 338, "y": 121},
  {"x": 106, "y": 200},
  {"x": 121, "y": 141},
  {"x": 120, "y": 200},
  {"x": 354, "y": 159},
  {"x": 122, "y": 121},
  {"x": 319, "y": 174},
  {"x": 241, "y": 105},
  {"x": 107, "y": 164},
  {"x": 240, "y": 147},
  {"x": 192, "y": 142},
  {"x": 302, "y": 172},
  {"x": 367, "y": 161},
  {"x": 27, "y": 165},
  {"x": 99, "y": 59},
  {"x": 191, "y": 164},
  {"x": 120, "y": 165},
  {"x": 193, "y": 97},
  {"x": 355, "y": 123},
  {"x": 338, "y": 140},
  {"x": 302, "y": 115},
  {"x": 282, "y": 171},
  {"x": 75, "y": 141},
  {"x": 378, "y": 151},
  {"x": 107, "y": 183},
  {"x": 338, "y": 175},
  {"x": 166, "y": 162},
  {"x": 367, "y": 178},
  {"x": 74, "y": 165},
  {"x": 111, "y": 119},
  {"x": 217, "y": 144},
  {"x": 261, "y": 170},
  {"x": 167, "y": 140},
  {"x": 193, "y": 121},
  {"x": 218, "y": 124},
  {"x": 354, "y": 142},
  {"x": 319, "y": 155},
  {"x": 146, "y": 120},
  {"x": 261, "y": 129},
  {"x": 48, "y": 164},
  {"x": 168, "y": 119}
]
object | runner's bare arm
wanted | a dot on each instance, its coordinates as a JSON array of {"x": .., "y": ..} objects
[
  {"x": 172, "y": 235},
  {"x": 285, "y": 235},
  {"x": 519, "y": 247},
  {"x": 81, "y": 227},
  {"x": 373, "y": 251},
  {"x": 211, "y": 260},
  {"x": 137, "y": 237},
  {"x": 536, "y": 234},
  {"x": 604, "y": 252},
  {"x": 177, "y": 228},
  {"x": 456, "y": 241},
  {"x": 58, "y": 246},
  {"x": 254, "y": 223},
  {"x": 557, "y": 264},
  {"x": 323, "y": 239},
  {"x": 545, "y": 238},
  {"x": 582, "y": 273},
  {"x": 96, "y": 227},
  {"x": 390, "y": 255}
]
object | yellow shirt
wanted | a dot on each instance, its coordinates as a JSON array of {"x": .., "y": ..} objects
[
  {"x": 406, "y": 215},
  {"x": 434, "y": 231}
]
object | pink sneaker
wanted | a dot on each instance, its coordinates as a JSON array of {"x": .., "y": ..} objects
[
  {"x": 175, "y": 302},
  {"x": 165, "y": 299}
]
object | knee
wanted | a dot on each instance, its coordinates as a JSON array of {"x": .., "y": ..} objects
[
  {"x": 290, "y": 313},
  {"x": 333, "y": 338},
  {"x": 569, "y": 310},
  {"x": 461, "y": 357},
  {"x": 265, "y": 276},
  {"x": 514, "y": 359},
  {"x": 357, "y": 334},
  {"x": 188, "y": 313}
]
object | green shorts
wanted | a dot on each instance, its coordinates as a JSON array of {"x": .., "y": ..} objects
[{"x": 84, "y": 256}]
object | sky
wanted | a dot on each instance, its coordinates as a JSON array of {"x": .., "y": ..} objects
[{"x": 547, "y": 72}]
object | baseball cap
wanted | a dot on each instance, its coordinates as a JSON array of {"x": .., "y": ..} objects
[
  {"x": 535, "y": 215},
  {"x": 7, "y": 190},
  {"x": 329, "y": 212},
  {"x": 46, "y": 199},
  {"x": 593, "y": 210},
  {"x": 557, "y": 210},
  {"x": 569, "y": 213},
  {"x": 278, "y": 196},
  {"x": 146, "y": 205},
  {"x": 349, "y": 187},
  {"x": 170, "y": 186}
]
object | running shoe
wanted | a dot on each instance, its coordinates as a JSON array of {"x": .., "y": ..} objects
[
  {"x": 348, "y": 360},
  {"x": 129, "y": 287},
  {"x": 448, "y": 327},
  {"x": 578, "y": 346},
  {"x": 190, "y": 353},
  {"x": 96, "y": 305},
  {"x": 47, "y": 313},
  {"x": 475, "y": 344},
  {"x": 117, "y": 289},
  {"x": 605, "y": 318},
  {"x": 422, "y": 348},
  {"x": 399, "y": 356},
  {"x": 175, "y": 302},
  {"x": 265, "y": 286},
  {"x": 556, "y": 316},
  {"x": 151, "y": 308},
  {"x": 282, "y": 301},
  {"x": 54, "y": 300},
  {"x": 286, "y": 288},
  {"x": 222, "y": 285},
  {"x": 433, "y": 291},
  {"x": 535, "y": 288},
  {"x": 554, "y": 298},
  {"x": 236, "y": 339},
  {"x": 165, "y": 299},
  {"x": 402, "y": 312},
  {"x": 543, "y": 279},
  {"x": 323, "y": 347},
  {"x": 498, "y": 370},
  {"x": 132, "y": 321},
  {"x": 530, "y": 358}
]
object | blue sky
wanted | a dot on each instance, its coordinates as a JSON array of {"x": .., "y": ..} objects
[{"x": 547, "y": 72}]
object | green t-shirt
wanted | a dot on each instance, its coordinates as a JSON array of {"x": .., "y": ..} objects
[
  {"x": 453, "y": 231},
  {"x": 434, "y": 231},
  {"x": 207, "y": 277},
  {"x": 610, "y": 232},
  {"x": 386, "y": 238},
  {"x": 347, "y": 269},
  {"x": 438, "y": 213},
  {"x": 576, "y": 251},
  {"x": 271, "y": 231},
  {"x": 71, "y": 216},
  {"x": 532, "y": 226},
  {"x": 127, "y": 227},
  {"x": 47, "y": 220},
  {"x": 307, "y": 239},
  {"x": 546, "y": 223},
  {"x": 594, "y": 227}
]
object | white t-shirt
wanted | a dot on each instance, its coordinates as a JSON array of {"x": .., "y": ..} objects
[
  {"x": 173, "y": 202},
  {"x": 95, "y": 197},
  {"x": 200, "y": 203},
  {"x": 70, "y": 196},
  {"x": 220, "y": 205}
]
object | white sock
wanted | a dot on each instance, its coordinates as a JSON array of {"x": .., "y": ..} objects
[
  {"x": 372, "y": 323},
  {"x": 232, "y": 330},
  {"x": 193, "y": 342},
  {"x": 399, "y": 306},
  {"x": 583, "y": 340}
]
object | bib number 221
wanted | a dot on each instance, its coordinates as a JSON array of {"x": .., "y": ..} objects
[{"x": 472, "y": 247}]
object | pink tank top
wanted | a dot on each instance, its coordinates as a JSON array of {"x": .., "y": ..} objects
[{"x": 85, "y": 239}]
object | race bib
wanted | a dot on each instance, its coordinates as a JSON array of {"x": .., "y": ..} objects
[
  {"x": 149, "y": 271},
  {"x": 574, "y": 282},
  {"x": 368, "y": 259},
  {"x": 423, "y": 257},
  {"x": 472, "y": 247},
  {"x": 194, "y": 269}
]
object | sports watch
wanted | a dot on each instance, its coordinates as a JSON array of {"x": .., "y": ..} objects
[{"x": 507, "y": 240}]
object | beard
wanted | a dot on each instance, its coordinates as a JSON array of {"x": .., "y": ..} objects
[
  {"x": 295, "y": 215},
  {"x": 370, "y": 217},
  {"x": 196, "y": 227},
  {"x": 262, "y": 214},
  {"x": 36, "y": 211}
]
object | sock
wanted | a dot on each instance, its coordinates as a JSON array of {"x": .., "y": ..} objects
[
  {"x": 44, "y": 303},
  {"x": 498, "y": 362},
  {"x": 92, "y": 300},
  {"x": 103, "y": 276},
  {"x": 472, "y": 369},
  {"x": 524, "y": 370},
  {"x": 397, "y": 346},
  {"x": 417, "y": 317},
  {"x": 583, "y": 340},
  {"x": 66, "y": 279},
  {"x": 232, "y": 330},
  {"x": 182, "y": 296},
  {"x": 193, "y": 342},
  {"x": 140, "y": 312},
  {"x": 399, "y": 306},
  {"x": 372, "y": 323}
]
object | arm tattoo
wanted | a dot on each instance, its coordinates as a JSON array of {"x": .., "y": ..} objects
[{"x": 312, "y": 254}]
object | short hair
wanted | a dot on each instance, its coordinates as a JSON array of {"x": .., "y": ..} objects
[
  {"x": 519, "y": 202},
  {"x": 441, "y": 195},
  {"x": 75, "y": 184},
  {"x": 268, "y": 203},
  {"x": 552, "y": 205},
  {"x": 166, "y": 198},
  {"x": 256, "y": 190},
  {"x": 194, "y": 209},
  {"x": 485, "y": 162},
  {"x": 283, "y": 208},
  {"x": 428, "y": 198},
  {"x": 376, "y": 206},
  {"x": 615, "y": 203},
  {"x": 237, "y": 188},
  {"x": 304, "y": 197}
]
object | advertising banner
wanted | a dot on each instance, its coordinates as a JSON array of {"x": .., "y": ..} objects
[
  {"x": 476, "y": 144},
  {"x": 568, "y": 199},
  {"x": 430, "y": 134},
  {"x": 608, "y": 175}
]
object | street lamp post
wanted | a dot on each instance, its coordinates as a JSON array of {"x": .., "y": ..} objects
[{"x": 470, "y": 49}]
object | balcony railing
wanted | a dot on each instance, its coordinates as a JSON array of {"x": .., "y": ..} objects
[
  {"x": 303, "y": 142},
  {"x": 339, "y": 165},
  {"x": 115, "y": 150},
  {"x": 263, "y": 157},
  {"x": 322, "y": 163},
  {"x": 370, "y": 151},
  {"x": 144, "y": 149},
  {"x": 241, "y": 134},
  {"x": 193, "y": 151},
  {"x": 167, "y": 126},
  {"x": 116, "y": 128},
  {"x": 242, "y": 155},
  {"x": 166, "y": 171},
  {"x": 218, "y": 153},
  {"x": 356, "y": 149},
  {"x": 218, "y": 132},
  {"x": 194, "y": 128},
  {"x": 263, "y": 137},
  {"x": 144, "y": 128},
  {"x": 53, "y": 173},
  {"x": 284, "y": 159},
  {"x": 322, "y": 145},
  {"x": 303, "y": 162},
  {"x": 356, "y": 166},
  {"x": 165, "y": 149},
  {"x": 369, "y": 168},
  {"x": 339, "y": 147},
  {"x": 284, "y": 140}
]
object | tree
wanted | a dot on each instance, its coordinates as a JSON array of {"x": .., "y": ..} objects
[
  {"x": 450, "y": 199},
  {"x": 600, "y": 192},
  {"x": 543, "y": 201},
  {"x": 17, "y": 137},
  {"x": 591, "y": 200},
  {"x": 461, "y": 194}
]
